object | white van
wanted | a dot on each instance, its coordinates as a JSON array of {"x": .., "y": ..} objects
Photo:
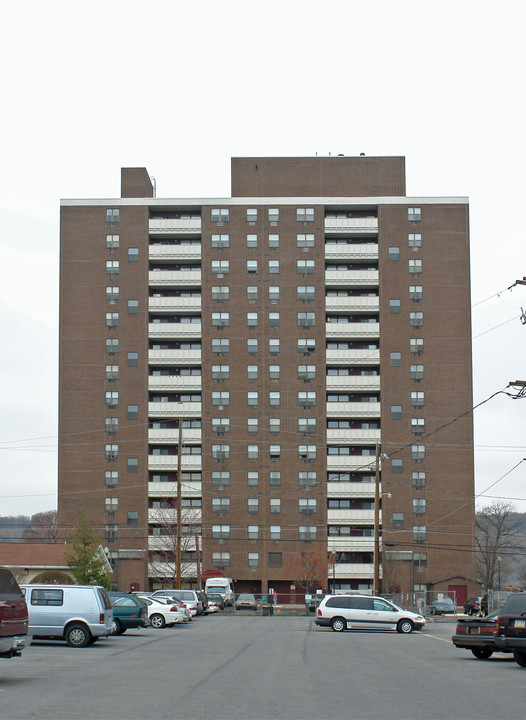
[
  {"x": 79, "y": 614},
  {"x": 221, "y": 586}
]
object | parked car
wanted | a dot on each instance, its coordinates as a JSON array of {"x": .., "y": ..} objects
[
  {"x": 510, "y": 633},
  {"x": 204, "y": 602},
  {"x": 314, "y": 601},
  {"x": 13, "y": 616},
  {"x": 216, "y": 599},
  {"x": 363, "y": 612},
  {"x": 162, "y": 612},
  {"x": 246, "y": 601},
  {"x": 129, "y": 611},
  {"x": 441, "y": 607},
  {"x": 80, "y": 614},
  {"x": 473, "y": 605},
  {"x": 184, "y": 609},
  {"x": 478, "y": 635},
  {"x": 189, "y": 597}
]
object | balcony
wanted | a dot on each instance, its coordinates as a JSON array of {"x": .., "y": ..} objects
[
  {"x": 168, "y": 463},
  {"x": 349, "y": 517},
  {"x": 352, "y": 357},
  {"x": 353, "y": 409},
  {"x": 170, "y": 253},
  {"x": 353, "y": 570},
  {"x": 167, "y": 331},
  {"x": 168, "y": 516},
  {"x": 174, "y": 304},
  {"x": 352, "y": 330},
  {"x": 167, "y": 570},
  {"x": 353, "y": 382},
  {"x": 350, "y": 544},
  {"x": 174, "y": 382},
  {"x": 174, "y": 409},
  {"x": 351, "y": 225},
  {"x": 351, "y": 252},
  {"x": 175, "y": 226},
  {"x": 174, "y": 278},
  {"x": 353, "y": 278},
  {"x": 351, "y": 490},
  {"x": 167, "y": 542},
  {"x": 342, "y": 463},
  {"x": 189, "y": 488},
  {"x": 174, "y": 357},
  {"x": 170, "y": 436},
  {"x": 356, "y": 436},
  {"x": 352, "y": 303}
]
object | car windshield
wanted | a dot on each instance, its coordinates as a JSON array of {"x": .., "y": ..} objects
[{"x": 217, "y": 588}]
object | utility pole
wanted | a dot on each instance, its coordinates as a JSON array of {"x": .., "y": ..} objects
[
  {"x": 198, "y": 562},
  {"x": 179, "y": 514}
]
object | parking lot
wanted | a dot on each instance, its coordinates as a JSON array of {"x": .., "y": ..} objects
[{"x": 261, "y": 667}]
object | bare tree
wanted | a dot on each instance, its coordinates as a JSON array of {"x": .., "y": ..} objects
[
  {"x": 309, "y": 570},
  {"x": 497, "y": 527},
  {"x": 43, "y": 527},
  {"x": 163, "y": 565}
]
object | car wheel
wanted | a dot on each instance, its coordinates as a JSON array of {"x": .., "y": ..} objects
[
  {"x": 77, "y": 635},
  {"x": 520, "y": 657},
  {"x": 482, "y": 653},
  {"x": 338, "y": 624},
  {"x": 157, "y": 621},
  {"x": 117, "y": 627},
  {"x": 405, "y": 626}
]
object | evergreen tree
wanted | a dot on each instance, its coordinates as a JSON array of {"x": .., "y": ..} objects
[{"x": 84, "y": 557}]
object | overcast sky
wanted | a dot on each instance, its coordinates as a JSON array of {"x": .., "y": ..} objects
[{"x": 181, "y": 87}]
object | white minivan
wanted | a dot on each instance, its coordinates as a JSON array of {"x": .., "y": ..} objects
[
  {"x": 221, "y": 586},
  {"x": 363, "y": 612},
  {"x": 79, "y": 614}
]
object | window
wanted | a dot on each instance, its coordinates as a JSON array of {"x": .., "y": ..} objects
[
  {"x": 274, "y": 398},
  {"x": 273, "y": 319},
  {"x": 112, "y": 293},
  {"x": 113, "y": 215},
  {"x": 274, "y": 425},
  {"x": 252, "y": 372},
  {"x": 220, "y": 215},
  {"x": 252, "y": 397},
  {"x": 398, "y": 520},
  {"x": 133, "y": 359},
  {"x": 252, "y": 292},
  {"x": 253, "y": 532},
  {"x": 112, "y": 242},
  {"x": 275, "y": 505},
  {"x": 112, "y": 320},
  {"x": 220, "y": 319},
  {"x": 253, "y": 560},
  {"x": 305, "y": 214},
  {"x": 112, "y": 398},
  {"x": 220, "y": 452},
  {"x": 221, "y": 505},
  {"x": 112, "y": 267},
  {"x": 253, "y": 505},
  {"x": 111, "y": 532},
  {"x": 414, "y": 240},
  {"x": 415, "y": 267},
  {"x": 419, "y": 506},
  {"x": 220, "y": 425},
  {"x": 307, "y": 425},
  {"x": 307, "y": 452},
  {"x": 220, "y": 372},
  {"x": 133, "y": 254},
  {"x": 416, "y": 319},
  {"x": 274, "y": 372},
  {"x": 252, "y": 478},
  {"x": 274, "y": 560},
  {"x": 305, "y": 241},
  {"x": 418, "y": 452},
  {"x": 275, "y": 452},
  {"x": 111, "y": 504},
  {"x": 417, "y": 398},
  {"x": 220, "y": 241},
  {"x": 220, "y": 345},
  {"x": 252, "y": 266},
  {"x": 273, "y": 293},
  {"x": 305, "y": 267},
  {"x": 307, "y": 399},
  {"x": 273, "y": 241},
  {"x": 419, "y": 561},
  {"x": 221, "y": 397},
  {"x": 306, "y": 372},
  {"x": 306, "y": 345},
  {"x": 394, "y": 306},
  {"x": 220, "y": 559},
  {"x": 417, "y": 372},
  {"x": 396, "y": 412},
  {"x": 133, "y": 307},
  {"x": 252, "y": 425},
  {"x": 419, "y": 533},
  {"x": 252, "y": 240},
  {"x": 220, "y": 292},
  {"x": 307, "y": 478},
  {"x": 273, "y": 346},
  {"x": 112, "y": 372},
  {"x": 416, "y": 346},
  {"x": 306, "y": 293},
  {"x": 252, "y": 214},
  {"x": 132, "y": 518},
  {"x": 307, "y": 532},
  {"x": 252, "y": 319},
  {"x": 419, "y": 479},
  {"x": 273, "y": 215},
  {"x": 253, "y": 452},
  {"x": 393, "y": 253},
  {"x": 275, "y": 477},
  {"x": 111, "y": 477},
  {"x": 275, "y": 532},
  {"x": 111, "y": 452},
  {"x": 132, "y": 465},
  {"x": 132, "y": 412},
  {"x": 273, "y": 267},
  {"x": 414, "y": 214},
  {"x": 415, "y": 292},
  {"x": 252, "y": 346},
  {"x": 395, "y": 359},
  {"x": 220, "y": 267},
  {"x": 397, "y": 465},
  {"x": 418, "y": 425},
  {"x": 306, "y": 319},
  {"x": 220, "y": 478},
  {"x": 307, "y": 505}
]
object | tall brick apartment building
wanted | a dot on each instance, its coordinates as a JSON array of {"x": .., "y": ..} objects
[{"x": 287, "y": 332}]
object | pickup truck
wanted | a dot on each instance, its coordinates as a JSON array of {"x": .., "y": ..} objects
[
  {"x": 13, "y": 616},
  {"x": 510, "y": 633}
]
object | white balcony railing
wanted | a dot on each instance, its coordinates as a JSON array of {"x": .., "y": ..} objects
[
  {"x": 174, "y": 409},
  {"x": 174, "y": 357},
  {"x": 352, "y": 330},
  {"x": 174, "y": 278},
  {"x": 350, "y": 544},
  {"x": 168, "y": 463},
  {"x": 174, "y": 330},
  {"x": 175, "y": 226},
  {"x": 163, "y": 542},
  {"x": 351, "y": 252},
  {"x": 352, "y": 357},
  {"x": 351, "y": 490},
  {"x": 353, "y": 409},
  {"x": 348, "y": 517},
  {"x": 352, "y": 303},
  {"x": 355, "y": 278},
  {"x": 339, "y": 463},
  {"x": 170, "y": 436},
  {"x": 174, "y": 382},
  {"x": 170, "y": 253},
  {"x": 353, "y": 570},
  {"x": 349, "y": 225},
  {"x": 167, "y": 570},
  {"x": 189, "y": 488},
  {"x": 353, "y": 382},
  {"x": 168, "y": 516},
  {"x": 176, "y": 304},
  {"x": 356, "y": 436}
]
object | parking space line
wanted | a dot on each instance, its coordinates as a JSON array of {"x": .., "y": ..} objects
[{"x": 437, "y": 638}]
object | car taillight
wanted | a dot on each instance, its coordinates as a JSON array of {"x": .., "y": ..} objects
[
  {"x": 461, "y": 629},
  {"x": 101, "y": 618},
  {"x": 319, "y": 611},
  {"x": 174, "y": 608},
  {"x": 497, "y": 627}
]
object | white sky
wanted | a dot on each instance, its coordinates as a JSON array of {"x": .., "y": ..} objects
[{"x": 181, "y": 87}]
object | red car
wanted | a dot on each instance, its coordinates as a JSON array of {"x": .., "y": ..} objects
[{"x": 13, "y": 616}]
